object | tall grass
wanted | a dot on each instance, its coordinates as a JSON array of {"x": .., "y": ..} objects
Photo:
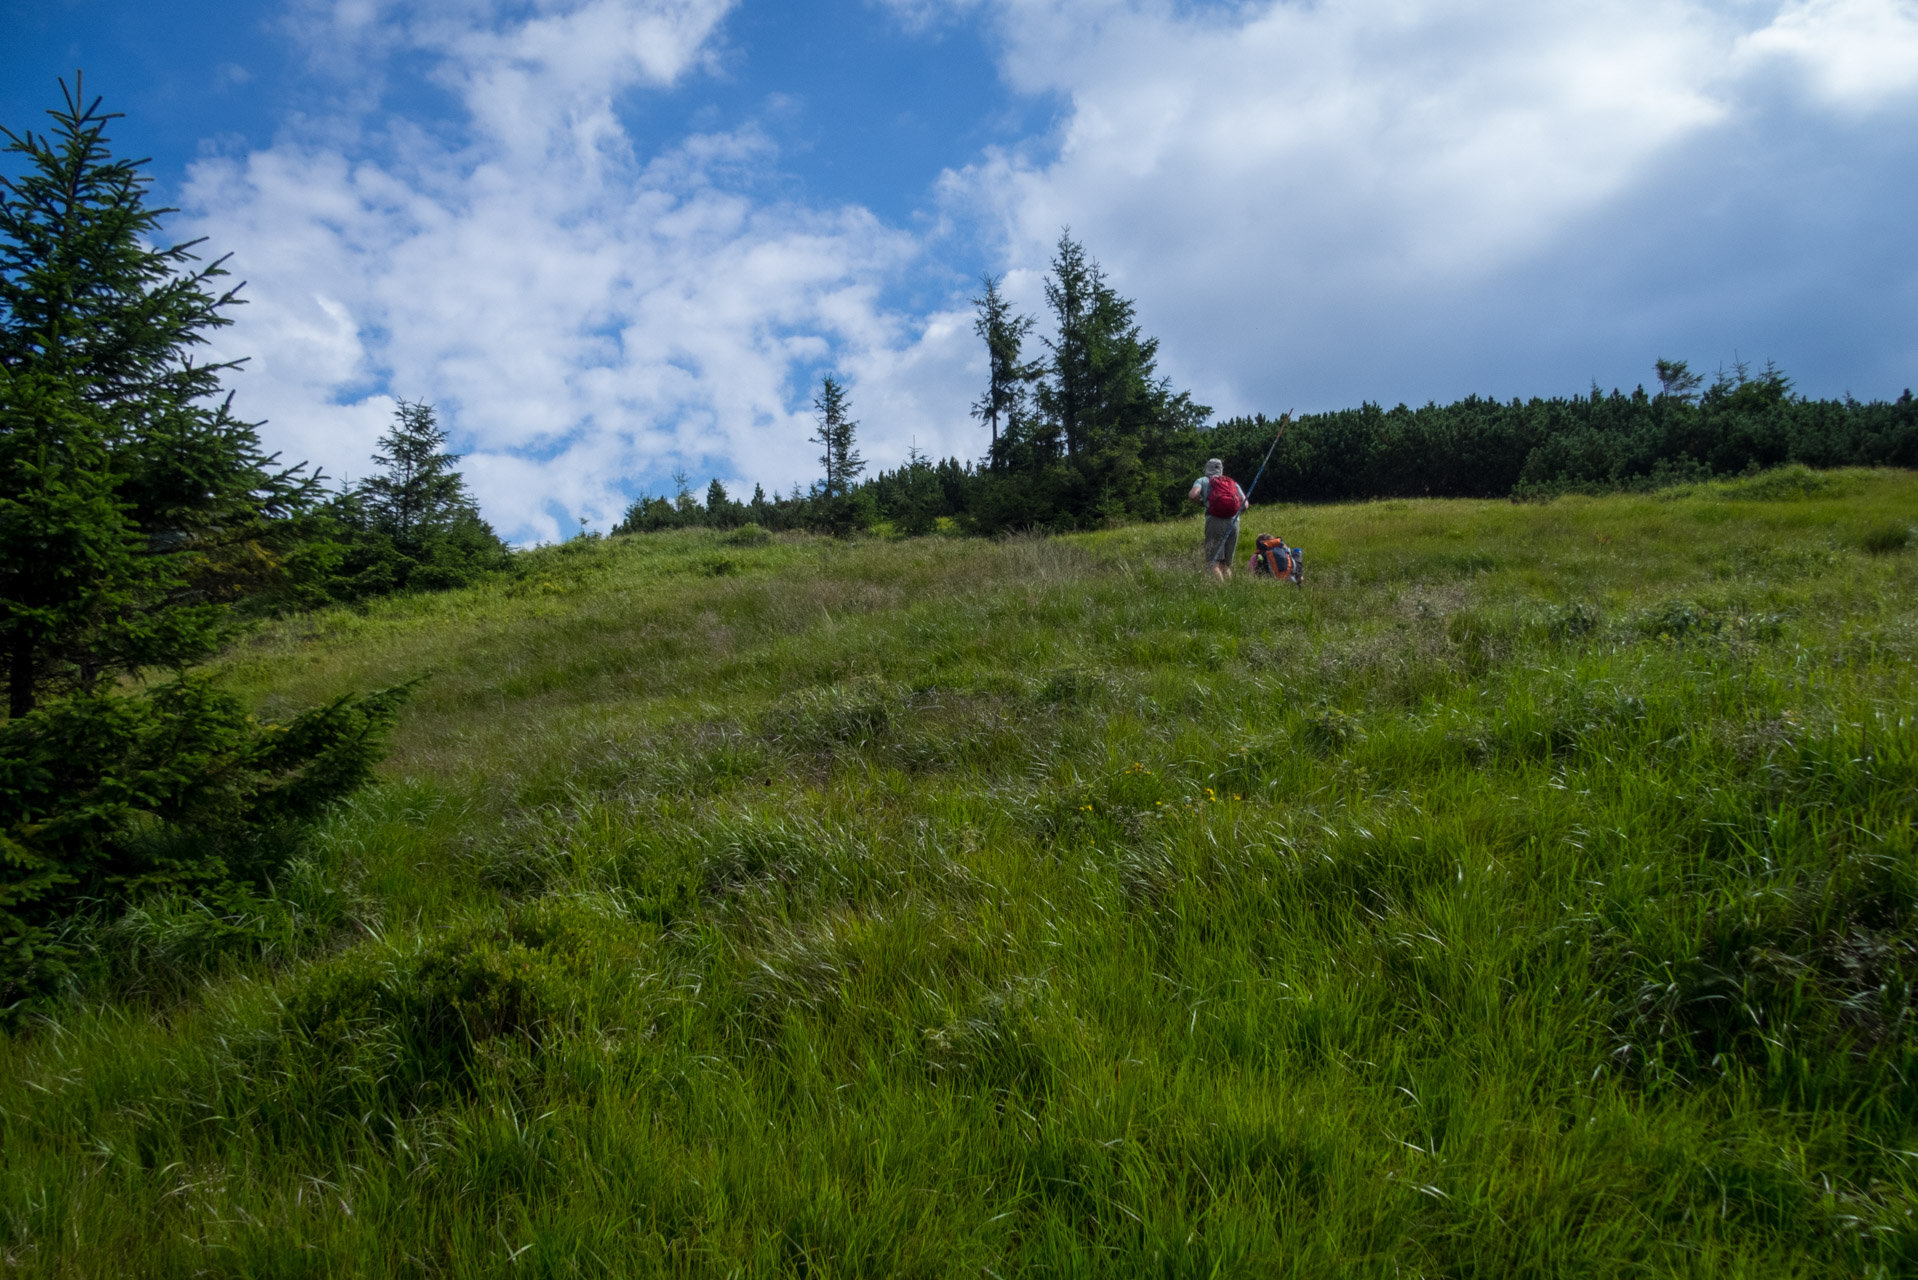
[{"x": 1534, "y": 893}]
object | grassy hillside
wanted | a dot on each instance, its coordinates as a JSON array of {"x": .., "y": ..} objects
[{"x": 1533, "y": 893}]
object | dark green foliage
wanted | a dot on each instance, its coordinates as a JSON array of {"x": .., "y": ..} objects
[
  {"x": 1006, "y": 399},
  {"x": 1883, "y": 539},
  {"x": 920, "y": 496},
  {"x": 408, "y": 1028},
  {"x": 106, "y": 798},
  {"x": 135, "y": 513},
  {"x": 1106, "y": 437},
  {"x": 412, "y": 526},
  {"x": 419, "y": 490},
  {"x": 720, "y": 511},
  {"x": 839, "y": 458},
  {"x": 133, "y": 506},
  {"x": 1478, "y": 448}
]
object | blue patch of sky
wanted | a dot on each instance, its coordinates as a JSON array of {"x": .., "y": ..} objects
[
  {"x": 186, "y": 74},
  {"x": 866, "y": 109}
]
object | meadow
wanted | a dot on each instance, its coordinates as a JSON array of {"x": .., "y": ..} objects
[{"x": 1533, "y": 893}]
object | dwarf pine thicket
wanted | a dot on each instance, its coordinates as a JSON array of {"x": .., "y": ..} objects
[{"x": 1533, "y": 893}]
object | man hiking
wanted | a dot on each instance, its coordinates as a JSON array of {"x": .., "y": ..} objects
[{"x": 1219, "y": 494}]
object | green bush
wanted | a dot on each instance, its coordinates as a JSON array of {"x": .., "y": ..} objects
[
  {"x": 1887, "y": 537},
  {"x": 107, "y": 799},
  {"x": 381, "y": 1025}
]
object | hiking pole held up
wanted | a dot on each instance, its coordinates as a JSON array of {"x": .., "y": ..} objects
[{"x": 1284, "y": 422}]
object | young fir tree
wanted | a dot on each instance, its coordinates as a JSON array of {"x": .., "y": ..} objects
[
  {"x": 721, "y": 511},
  {"x": 133, "y": 509},
  {"x": 414, "y": 524},
  {"x": 418, "y": 489},
  {"x": 1007, "y": 374},
  {"x": 133, "y": 506},
  {"x": 838, "y": 458},
  {"x": 919, "y": 495}
]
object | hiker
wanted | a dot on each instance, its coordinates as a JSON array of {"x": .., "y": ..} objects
[{"x": 1219, "y": 494}]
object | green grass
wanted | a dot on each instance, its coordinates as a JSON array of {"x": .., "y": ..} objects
[{"x": 1534, "y": 893}]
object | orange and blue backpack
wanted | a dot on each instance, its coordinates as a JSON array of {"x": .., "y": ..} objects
[{"x": 1271, "y": 558}]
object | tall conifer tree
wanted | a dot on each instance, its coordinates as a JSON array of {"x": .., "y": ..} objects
[
  {"x": 1008, "y": 374},
  {"x": 133, "y": 505},
  {"x": 838, "y": 458},
  {"x": 1071, "y": 292},
  {"x": 133, "y": 508}
]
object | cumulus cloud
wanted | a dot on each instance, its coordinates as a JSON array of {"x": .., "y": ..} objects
[
  {"x": 1858, "y": 54},
  {"x": 1340, "y": 200},
  {"x": 586, "y": 318}
]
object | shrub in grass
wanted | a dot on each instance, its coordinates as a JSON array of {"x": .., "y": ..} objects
[
  {"x": 748, "y": 535},
  {"x": 1884, "y": 538},
  {"x": 378, "y": 1027},
  {"x": 169, "y": 942},
  {"x": 1811, "y": 988},
  {"x": 1678, "y": 620},
  {"x": 1568, "y": 622},
  {"x": 1792, "y": 483},
  {"x": 106, "y": 800}
]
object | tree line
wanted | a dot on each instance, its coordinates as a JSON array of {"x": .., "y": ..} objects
[
  {"x": 1689, "y": 429},
  {"x": 1087, "y": 433}
]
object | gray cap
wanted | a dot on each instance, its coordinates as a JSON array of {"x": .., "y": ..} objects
[{"x": 1213, "y": 467}]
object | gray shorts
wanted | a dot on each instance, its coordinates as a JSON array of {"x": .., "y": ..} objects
[{"x": 1221, "y": 538}]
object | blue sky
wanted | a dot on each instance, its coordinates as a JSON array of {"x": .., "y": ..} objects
[{"x": 617, "y": 238}]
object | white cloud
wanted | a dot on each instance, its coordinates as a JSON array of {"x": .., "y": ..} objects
[
  {"x": 578, "y": 332},
  {"x": 1292, "y": 188},
  {"x": 585, "y": 318},
  {"x": 1858, "y": 54},
  {"x": 1433, "y": 138}
]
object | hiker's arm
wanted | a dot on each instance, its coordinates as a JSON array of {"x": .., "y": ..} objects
[{"x": 1195, "y": 495}]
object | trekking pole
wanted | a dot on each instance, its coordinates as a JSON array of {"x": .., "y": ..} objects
[{"x": 1284, "y": 422}]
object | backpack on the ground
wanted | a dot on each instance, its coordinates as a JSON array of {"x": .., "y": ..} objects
[
  {"x": 1271, "y": 558},
  {"x": 1223, "y": 499}
]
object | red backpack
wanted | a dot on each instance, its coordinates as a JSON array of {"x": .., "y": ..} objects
[{"x": 1223, "y": 499}]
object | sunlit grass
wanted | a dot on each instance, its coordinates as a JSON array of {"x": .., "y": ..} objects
[{"x": 1535, "y": 892}]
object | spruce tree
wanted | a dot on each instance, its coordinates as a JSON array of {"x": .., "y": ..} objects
[
  {"x": 1007, "y": 375},
  {"x": 134, "y": 510},
  {"x": 413, "y": 524},
  {"x": 133, "y": 506},
  {"x": 419, "y": 489},
  {"x": 721, "y": 511},
  {"x": 919, "y": 495},
  {"x": 1071, "y": 291},
  {"x": 1104, "y": 390},
  {"x": 838, "y": 458}
]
